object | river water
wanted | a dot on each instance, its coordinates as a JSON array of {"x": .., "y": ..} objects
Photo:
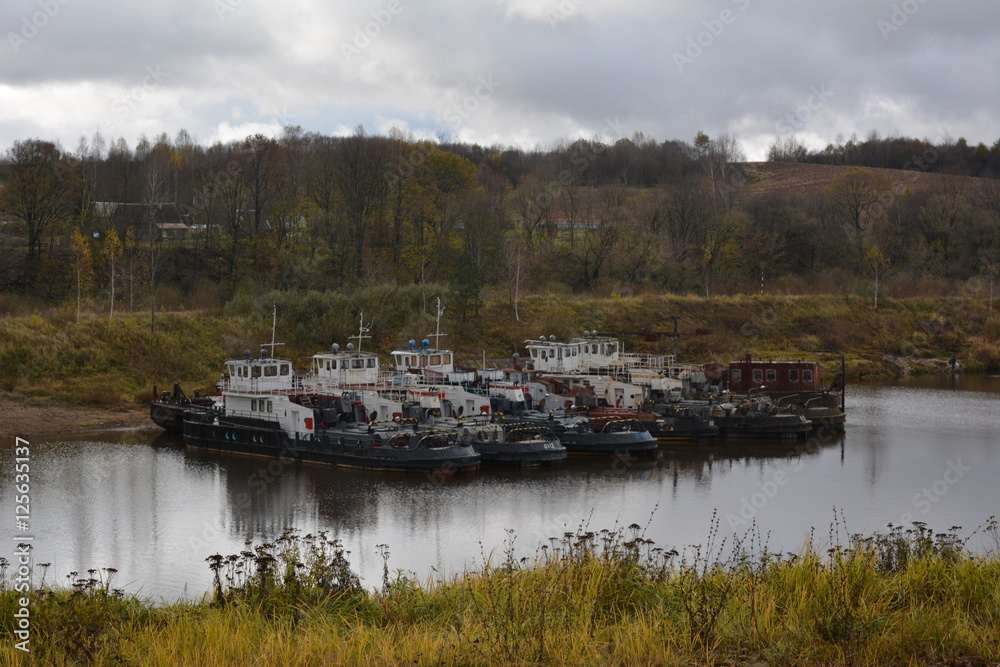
[{"x": 925, "y": 450}]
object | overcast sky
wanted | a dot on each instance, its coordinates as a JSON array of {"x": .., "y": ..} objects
[{"x": 522, "y": 72}]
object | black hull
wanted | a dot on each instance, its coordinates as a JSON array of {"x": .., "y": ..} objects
[
  {"x": 687, "y": 431},
  {"x": 780, "y": 426},
  {"x": 609, "y": 444},
  {"x": 170, "y": 416},
  {"x": 521, "y": 454},
  {"x": 260, "y": 440}
]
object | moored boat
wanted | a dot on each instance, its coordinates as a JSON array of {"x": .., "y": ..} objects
[
  {"x": 684, "y": 426},
  {"x": 580, "y": 435},
  {"x": 513, "y": 442},
  {"x": 267, "y": 410},
  {"x": 794, "y": 386},
  {"x": 167, "y": 408}
]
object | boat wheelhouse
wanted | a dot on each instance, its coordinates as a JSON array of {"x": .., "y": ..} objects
[
  {"x": 348, "y": 367},
  {"x": 773, "y": 377},
  {"x": 795, "y": 387}
]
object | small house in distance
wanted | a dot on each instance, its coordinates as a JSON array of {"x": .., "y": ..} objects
[
  {"x": 163, "y": 219},
  {"x": 773, "y": 377}
]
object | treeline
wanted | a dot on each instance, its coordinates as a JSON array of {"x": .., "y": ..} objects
[{"x": 173, "y": 222}]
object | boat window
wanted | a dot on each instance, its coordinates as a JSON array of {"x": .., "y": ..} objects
[
  {"x": 807, "y": 376},
  {"x": 736, "y": 375},
  {"x": 270, "y": 371},
  {"x": 358, "y": 363},
  {"x": 771, "y": 375},
  {"x": 284, "y": 369},
  {"x": 445, "y": 358},
  {"x": 255, "y": 372},
  {"x": 758, "y": 375},
  {"x": 371, "y": 363},
  {"x": 435, "y": 359},
  {"x": 793, "y": 375},
  {"x": 270, "y": 407},
  {"x": 534, "y": 353},
  {"x": 253, "y": 404},
  {"x": 423, "y": 359}
]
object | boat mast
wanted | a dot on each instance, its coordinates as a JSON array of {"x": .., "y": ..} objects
[
  {"x": 362, "y": 330},
  {"x": 437, "y": 336},
  {"x": 274, "y": 327}
]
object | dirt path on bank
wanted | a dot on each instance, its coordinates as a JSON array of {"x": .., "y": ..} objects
[{"x": 24, "y": 416}]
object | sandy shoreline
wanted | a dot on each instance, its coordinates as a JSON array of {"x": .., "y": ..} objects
[{"x": 27, "y": 416}]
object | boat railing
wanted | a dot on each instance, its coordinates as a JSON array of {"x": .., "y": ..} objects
[{"x": 269, "y": 417}]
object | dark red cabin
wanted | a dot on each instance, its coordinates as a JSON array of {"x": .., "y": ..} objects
[{"x": 776, "y": 377}]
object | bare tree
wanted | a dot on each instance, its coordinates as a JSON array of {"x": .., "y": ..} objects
[
  {"x": 152, "y": 192},
  {"x": 363, "y": 187},
  {"x": 722, "y": 161}
]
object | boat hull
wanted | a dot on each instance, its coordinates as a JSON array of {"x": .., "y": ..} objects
[
  {"x": 528, "y": 453},
  {"x": 329, "y": 447},
  {"x": 773, "y": 426}
]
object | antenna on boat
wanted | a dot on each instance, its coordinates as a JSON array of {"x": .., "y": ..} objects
[
  {"x": 437, "y": 336},
  {"x": 274, "y": 327},
  {"x": 362, "y": 330}
]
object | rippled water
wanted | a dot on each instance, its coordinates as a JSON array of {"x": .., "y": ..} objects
[{"x": 155, "y": 510}]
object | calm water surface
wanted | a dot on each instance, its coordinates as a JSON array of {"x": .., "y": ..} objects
[{"x": 925, "y": 450}]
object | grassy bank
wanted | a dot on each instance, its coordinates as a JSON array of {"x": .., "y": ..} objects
[
  {"x": 97, "y": 362},
  {"x": 612, "y": 597}
]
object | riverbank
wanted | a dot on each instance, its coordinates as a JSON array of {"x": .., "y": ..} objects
[
  {"x": 25, "y": 416},
  {"x": 902, "y": 597}
]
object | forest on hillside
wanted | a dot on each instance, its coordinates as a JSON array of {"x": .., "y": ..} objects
[{"x": 170, "y": 222}]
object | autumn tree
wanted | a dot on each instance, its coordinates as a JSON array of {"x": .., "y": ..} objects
[
  {"x": 82, "y": 261},
  {"x": 466, "y": 285},
  {"x": 857, "y": 198},
  {"x": 877, "y": 264},
  {"x": 719, "y": 244},
  {"x": 111, "y": 250},
  {"x": 42, "y": 188}
]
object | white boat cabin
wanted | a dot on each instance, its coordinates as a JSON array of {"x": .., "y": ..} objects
[
  {"x": 261, "y": 389},
  {"x": 580, "y": 354},
  {"x": 425, "y": 358},
  {"x": 293, "y": 418},
  {"x": 262, "y": 375},
  {"x": 345, "y": 368}
]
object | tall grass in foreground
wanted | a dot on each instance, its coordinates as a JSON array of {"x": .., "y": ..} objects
[{"x": 608, "y": 597}]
